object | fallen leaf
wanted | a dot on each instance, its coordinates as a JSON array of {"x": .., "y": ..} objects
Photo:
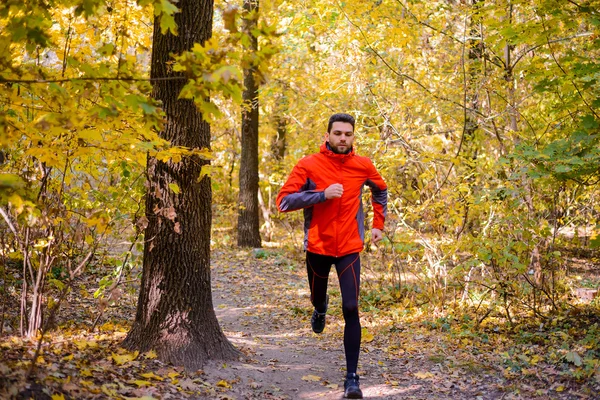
[
  {"x": 141, "y": 383},
  {"x": 223, "y": 383},
  {"x": 152, "y": 375},
  {"x": 121, "y": 359},
  {"x": 366, "y": 336},
  {"x": 311, "y": 378},
  {"x": 423, "y": 375}
]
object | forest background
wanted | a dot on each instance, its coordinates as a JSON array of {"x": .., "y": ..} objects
[{"x": 481, "y": 116}]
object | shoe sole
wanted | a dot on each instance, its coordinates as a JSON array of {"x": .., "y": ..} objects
[{"x": 353, "y": 396}]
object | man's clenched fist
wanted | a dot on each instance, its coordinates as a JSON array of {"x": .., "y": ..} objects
[{"x": 334, "y": 191}]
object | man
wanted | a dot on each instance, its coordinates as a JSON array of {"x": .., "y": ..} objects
[{"x": 328, "y": 187}]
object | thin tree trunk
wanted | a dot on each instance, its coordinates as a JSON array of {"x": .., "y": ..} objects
[
  {"x": 278, "y": 143},
  {"x": 248, "y": 213},
  {"x": 266, "y": 211},
  {"x": 175, "y": 315}
]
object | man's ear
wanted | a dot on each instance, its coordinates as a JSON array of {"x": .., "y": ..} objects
[{"x": 327, "y": 136}]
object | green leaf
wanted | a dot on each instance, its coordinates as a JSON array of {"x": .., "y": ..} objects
[
  {"x": 574, "y": 358},
  {"x": 58, "y": 284},
  {"x": 107, "y": 50},
  {"x": 148, "y": 108},
  {"x": 589, "y": 122}
]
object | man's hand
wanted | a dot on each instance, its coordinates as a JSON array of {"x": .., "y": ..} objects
[
  {"x": 334, "y": 191},
  {"x": 376, "y": 235}
]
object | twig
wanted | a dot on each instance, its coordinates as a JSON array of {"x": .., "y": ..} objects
[
  {"x": 114, "y": 285},
  {"x": 54, "y": 310},
  {"x": 9, "y": 222}
]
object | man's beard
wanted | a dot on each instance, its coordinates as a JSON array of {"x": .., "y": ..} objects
[{"x": 337, "y": 151}]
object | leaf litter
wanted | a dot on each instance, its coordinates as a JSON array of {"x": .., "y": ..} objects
[{"x": 263, "y": 307}]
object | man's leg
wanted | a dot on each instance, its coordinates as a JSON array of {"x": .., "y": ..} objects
[
  {"x": 348, "y": 270},
  {"x": 318, "y": 267}
]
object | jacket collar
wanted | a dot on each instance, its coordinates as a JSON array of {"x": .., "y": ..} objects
[{"x": 326, "y": 149}]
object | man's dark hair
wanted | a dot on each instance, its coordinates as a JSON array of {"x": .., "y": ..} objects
[{"x": 340, "y": 117}]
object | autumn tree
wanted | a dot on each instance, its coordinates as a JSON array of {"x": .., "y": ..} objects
[
  {"x": 175, "y": 315},
  {"x": 248, "y": 221}
]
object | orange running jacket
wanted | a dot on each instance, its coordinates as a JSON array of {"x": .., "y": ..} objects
[{"x": 334, "y": 227}]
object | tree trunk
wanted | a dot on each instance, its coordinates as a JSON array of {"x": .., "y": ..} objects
[
  {"x": 175, "y": 315},
  {"x": 278, "y": 142},
  {"x": 472, "y": 70},
  {"x": 248, "y": 221}
]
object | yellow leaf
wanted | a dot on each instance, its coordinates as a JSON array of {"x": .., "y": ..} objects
[
  {"x": 58, "y": 397},
  {"x": 68, "y": 358},
  {"x": 141, "y": 383},
  {"x": 311, "y": 378},
  {"x": 84, "y": 344},
  {"x": 535, "y": 359},
  {"x": 223, "y": 383},
  {"x": 151, "y": 355},
  {"x": 174, "y": 188},
  {"x": 124, "y": 358},
  {"x": 109, "y": 392},
  {"x": 173, "y": 375},
  {"x": 366, "y": 336},
  {"x": 560, "y": 388},
  {"x": 152, "y": 375},
  {"x": 86, "y": 372},
  {"x": 423, "y": 375}
]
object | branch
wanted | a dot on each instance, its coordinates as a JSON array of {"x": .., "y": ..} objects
[
  {"x": 400, "y": 74},
  {"x": 9, "y": 222},
  {"x": 90, "y": 78},
  {"x": 427, "y": 25},
  {"x": 565, "y": 72},
  {"x": 529, "y": 50}
]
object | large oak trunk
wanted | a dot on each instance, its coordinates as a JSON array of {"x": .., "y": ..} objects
[
  {"x": 248, "y": 221},
  {"x": 175, "y": 315}
]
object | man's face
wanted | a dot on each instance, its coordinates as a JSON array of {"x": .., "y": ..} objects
[{"x": 341, "y": 137}]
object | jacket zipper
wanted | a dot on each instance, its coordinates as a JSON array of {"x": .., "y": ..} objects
[{"x": 337, "y": 247}]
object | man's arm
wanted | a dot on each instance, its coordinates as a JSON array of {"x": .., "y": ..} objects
[
  {"x": 298, "y": 191},
  {"x": 379, "y": 202}
]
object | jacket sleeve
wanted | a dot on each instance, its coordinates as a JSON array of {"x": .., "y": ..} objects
[
  {"x": 298, "y": 191},
  {"x": 378, "y": 196}
]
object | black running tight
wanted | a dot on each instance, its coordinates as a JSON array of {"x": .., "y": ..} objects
[{"x": 348, "y": 271}]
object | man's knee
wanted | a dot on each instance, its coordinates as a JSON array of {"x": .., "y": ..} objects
[{"x": 350, "y": 308}]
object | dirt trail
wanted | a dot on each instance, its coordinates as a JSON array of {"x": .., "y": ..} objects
[{"x": 263, "y": 308}]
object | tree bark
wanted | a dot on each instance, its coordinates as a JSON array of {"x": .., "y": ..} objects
[
  {"x": 248, "y": 214},
  {"x": 175, "y": 315}
]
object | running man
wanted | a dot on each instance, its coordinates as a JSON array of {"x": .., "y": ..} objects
[{"x": 328, "y": 187}]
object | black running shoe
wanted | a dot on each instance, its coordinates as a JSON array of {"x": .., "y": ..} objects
[
  {"x": 317, "y": 322},
  {"x": 352, "y": 387}
]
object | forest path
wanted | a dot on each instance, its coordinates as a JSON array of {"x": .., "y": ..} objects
[{"x": 262, "y": 303}]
